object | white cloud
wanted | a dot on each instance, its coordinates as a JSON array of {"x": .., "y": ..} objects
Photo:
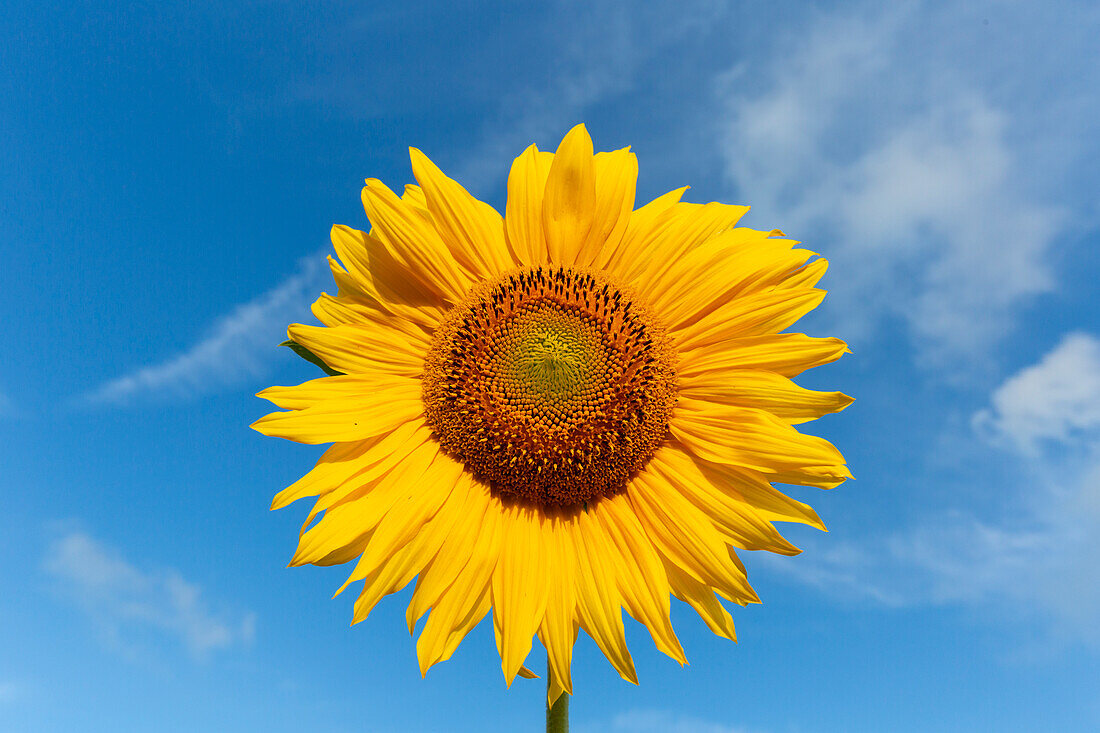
[
  {"x": 126, "y": 602},
  {"x": 1057, "y": 399},
  {"x": 917, "y": 146},
  {"x": 1049, "y": 558},
  {"x": 239, "y": 345},
  {"x": 659, "y": 721},
  {"x": 840, "y": 568},
  {"x": 1034, "y": 551},
  {"x": 1044, "y": 565},
  {"x": 1041, "y": 566}
]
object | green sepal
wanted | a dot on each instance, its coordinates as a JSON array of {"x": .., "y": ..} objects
[{"x": 312, "y": 358}]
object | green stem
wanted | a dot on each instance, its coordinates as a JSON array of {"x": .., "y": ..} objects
[{"x": 557, "y": 717}]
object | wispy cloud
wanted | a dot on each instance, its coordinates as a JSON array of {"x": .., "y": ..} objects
[
  {"x": 126, "y": 602},
  {"x": 1035, "y": 552},
  {"x": 660, "y": 721},
  {"x": 597, "y": 50},
  {"x": 1041, "y": 567},
  {"x": 916, "y": 143},
  {"x": 1057, "y": 399},
  {"x": 238, "y": 346},
  {"x": 844, "y": 569},
  {"x": 596, "y": 58}
]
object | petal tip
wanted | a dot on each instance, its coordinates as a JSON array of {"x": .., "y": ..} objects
[
  {"x": 418, "y": 158},
  {"x": 578, "y": 136}
]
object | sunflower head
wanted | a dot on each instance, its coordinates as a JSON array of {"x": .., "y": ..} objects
[
  {"x": 572, "y": 410},
  {"x": 550, "y": 385}
]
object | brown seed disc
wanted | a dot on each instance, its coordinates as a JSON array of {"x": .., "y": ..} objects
[{"x": 551, "y": 383}]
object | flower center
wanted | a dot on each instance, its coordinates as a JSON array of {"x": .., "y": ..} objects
[{"x": 550, "y": 383}]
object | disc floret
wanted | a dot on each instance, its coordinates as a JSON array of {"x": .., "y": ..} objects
[{"x": 551, "y": 383}]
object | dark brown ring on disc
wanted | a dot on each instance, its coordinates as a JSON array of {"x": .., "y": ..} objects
[{"x": 551, "y": 383}]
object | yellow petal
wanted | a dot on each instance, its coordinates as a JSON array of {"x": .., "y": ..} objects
[
  {"x": 339, "y": 311},
  {"x": 808, "y": 276},
  {"x": 351, "y": 290},
  {"x": 753, "y": 488},
  {"x": 412, "y": 321},
  {"x": 685, "y": 536},
  {"x": 787, "y": 354},
  {"x": 477, "y": 612},
  {"x": 340, "y": 461},
  {"x": 355, "y": 480},
  {"x": 343, "y": 461},
  {"x": 568, "y": 205},
  {"x": 554, "y": 690},
  {"x": 701, "y": 597},
  {"x": 376, "y": 272},
  {"x": 451, "y": 621},
  {"x": 599, "y": 602},
  {"x": 349, "y": 522},
  {"x": 345, "y": 420},
  {"x": 639, "y": 230},
  {"x": 724, "y": 267},
  {"x": 467, "y": 599},
  {"x": 415, "y": 505},
  {"x": 350, "y": 287},
  {"x": 523, "y": 215},
  {"x": 755, "y": 314},
  {"x": 742, "y": 436},
  {"x": 398, "y": 572},
  {"x": 364, "y": 348},
  {"x": 641, "y": 573},
  {"x": 558, "y": 631},
  {"x": 680, "y": 230},
  {"x": 519, "y": 591},
  {"x": 407, "y": 561},
  {"x": 615, "y": 185},
  {"x": 414, "y": 196},
  {"x": 736, "y": 519},
  {"x": 455, "y": 553},
  {"x": 343, "y": 387},
  {"x": 472, "y": 230},
  {"x": 763, "y": 390},
  {"x": 414, "y": 243}
]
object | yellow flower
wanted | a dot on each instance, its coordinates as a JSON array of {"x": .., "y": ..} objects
[{"x": 572, "y": 410}]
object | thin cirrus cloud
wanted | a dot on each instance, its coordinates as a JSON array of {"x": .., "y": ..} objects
[
  {"x": 927, "y": 145},
  {"x": 1040, "y": 557},
  {"x": 602, "y": 52},
  {"x": 126, "y": 602},
  {"x": 1047, "y": 557},
  {"x": 239, "y": 346}
]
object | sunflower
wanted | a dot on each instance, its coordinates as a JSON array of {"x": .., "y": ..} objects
[{"x": 574, "y": 409}]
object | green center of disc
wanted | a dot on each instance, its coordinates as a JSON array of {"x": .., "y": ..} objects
[{"x": 552, "y": 364}]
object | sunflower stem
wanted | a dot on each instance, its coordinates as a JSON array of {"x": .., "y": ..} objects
[{"x": 557, "y": 716}]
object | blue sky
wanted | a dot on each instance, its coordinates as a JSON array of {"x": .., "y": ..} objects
[{"x": 168, "y": 177}]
